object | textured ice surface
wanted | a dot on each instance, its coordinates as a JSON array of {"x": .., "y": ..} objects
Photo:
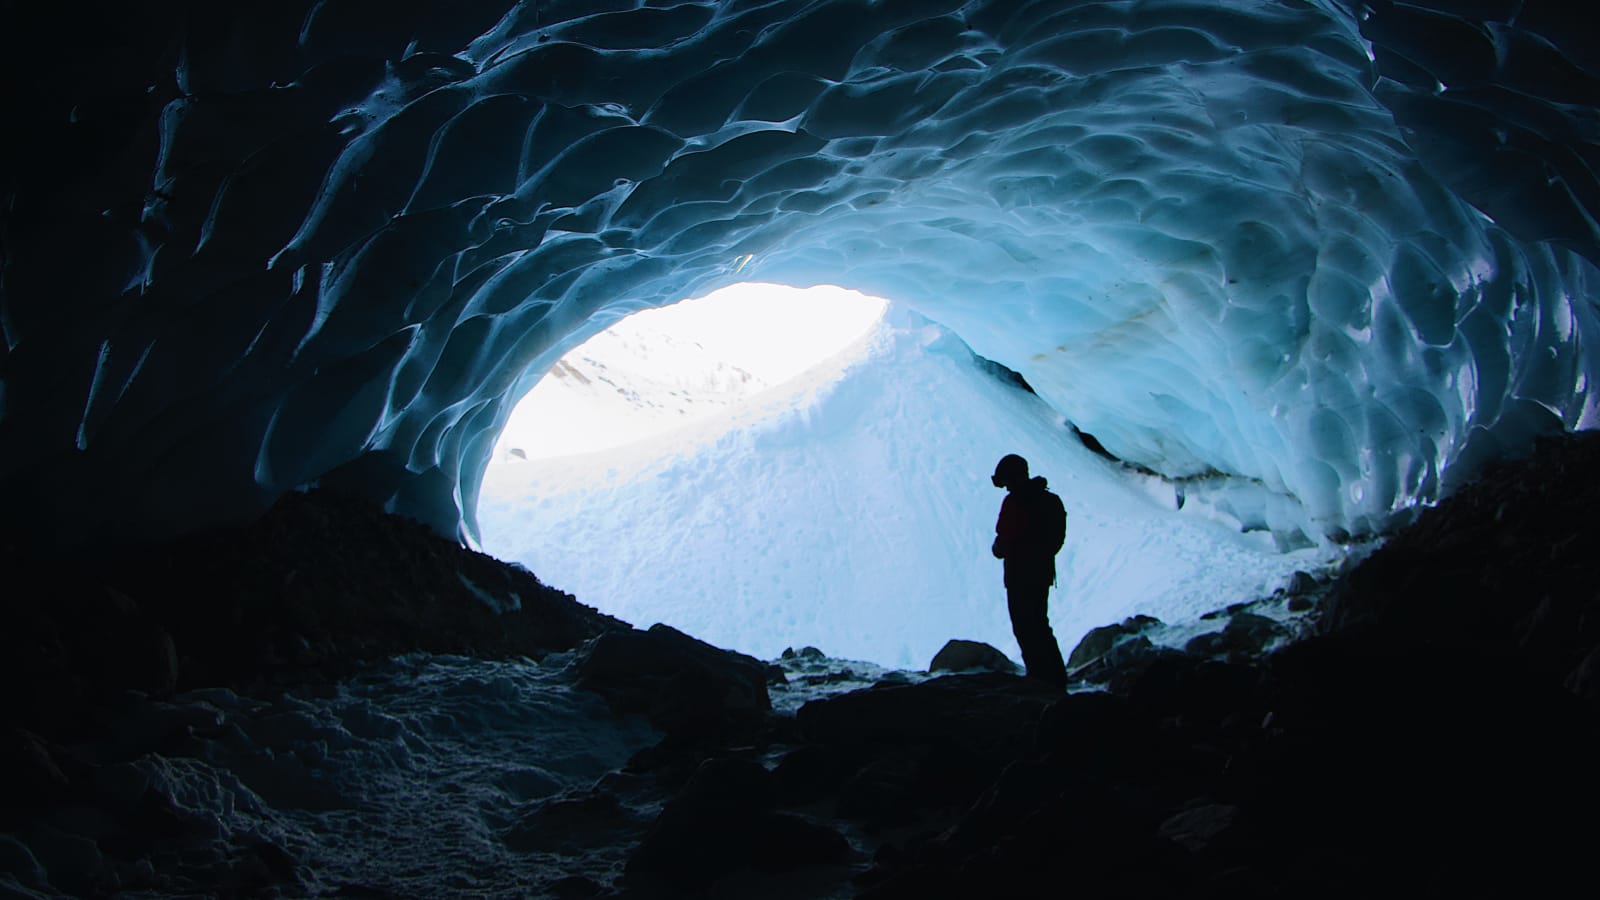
[
  {"x": 851, "y": 509},
  {"x": 336, "y": 242}
]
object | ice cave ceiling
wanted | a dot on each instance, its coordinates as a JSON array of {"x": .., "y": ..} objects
[{"x": 1343, "y": 249}]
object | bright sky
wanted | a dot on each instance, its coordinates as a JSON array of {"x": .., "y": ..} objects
[
  {"x": 771, "y": 330},
  {"x": 667, "y": 368}
]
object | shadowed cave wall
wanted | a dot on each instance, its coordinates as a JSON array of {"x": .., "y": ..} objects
[{"x": 1342, "y": 252}]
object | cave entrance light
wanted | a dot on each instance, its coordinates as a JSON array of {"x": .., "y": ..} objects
[
  {"x": 673, "y": 375},
  {"x": 841, "y": 503}
]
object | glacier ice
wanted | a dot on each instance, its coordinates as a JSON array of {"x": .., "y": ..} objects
[{"x": 1334, "y": 254}]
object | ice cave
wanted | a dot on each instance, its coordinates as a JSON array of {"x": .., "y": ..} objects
[
  {"x": 1305, "y": 246},
  {"x": 1258, "y": 282}
]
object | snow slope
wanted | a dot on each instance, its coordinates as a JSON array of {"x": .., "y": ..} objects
[{"x": 850, "y": 509}]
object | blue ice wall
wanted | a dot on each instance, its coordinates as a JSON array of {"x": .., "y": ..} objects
[{"x": 1337, "y": 253}]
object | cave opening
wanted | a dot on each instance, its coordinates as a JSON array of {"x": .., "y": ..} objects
[
  {"x": 791, "y": 468},
  {"x": 668, "y": 372}
]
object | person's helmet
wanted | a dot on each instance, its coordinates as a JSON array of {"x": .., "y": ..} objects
[{"x": 1012, "y": 470}]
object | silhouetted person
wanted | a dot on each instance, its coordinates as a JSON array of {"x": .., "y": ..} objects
[{"x": 1030, "y": 531}]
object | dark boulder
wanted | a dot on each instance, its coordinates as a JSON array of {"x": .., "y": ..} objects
[
  {"x": 1250, "y": 634},
  {"x": 724, "y": 820},
  {"x": 962, "y": 656},
  {"x": 683, "y": 685},
  {"x": 810, "y": 771},
  {"x": 568, "y": 825},
  {"x": 315, "y": 588},
  {"x": 1202, "y": 826},
  {"x": 992, "y": 715},
  {"x": 1127, "y": 662},
  {"x": 1100, "y": 640},
  {"x": 1301, "y": 583},
  {"x": 916, "y": 785},
  {"x": 1246, "y": 637},
  {"x": 1097, "y": 731},
  {"x": 803, "y": 653},
  {"x": 897, "y": 755},
  {"x": 782, "y": 842}
]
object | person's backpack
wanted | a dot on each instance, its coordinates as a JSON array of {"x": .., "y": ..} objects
[{"x": 1050, "y": 522}]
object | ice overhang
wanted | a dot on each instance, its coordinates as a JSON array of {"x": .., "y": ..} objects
[{"x": 1285, "y": 242}]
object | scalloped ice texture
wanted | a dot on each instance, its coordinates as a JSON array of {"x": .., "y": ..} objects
[{"x": 1193, "y": 227}]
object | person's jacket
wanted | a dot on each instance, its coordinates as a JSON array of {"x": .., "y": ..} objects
[{"x": 1030, "y": 529}]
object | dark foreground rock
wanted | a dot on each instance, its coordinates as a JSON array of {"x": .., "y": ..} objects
[
  {"x": 724, "y": 820},
  {"x": 1100, "y": 641},
  {"x": 1395, "y": 751},
  {"x": 1435, "y": 739},
  {"x": 1435, "y": 735},
  {"x": 319, "y": 587},
  {"x": 1507, "y": 565},
  {"x": 1346, "y": 766},
  {"x": 686, "y": 687}
]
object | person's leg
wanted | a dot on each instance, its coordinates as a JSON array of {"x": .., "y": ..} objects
[
  {"x": 1030, "y": 622},
  {"x": 1051, "y": 666},
  {"x": 1022, "y": 625}
]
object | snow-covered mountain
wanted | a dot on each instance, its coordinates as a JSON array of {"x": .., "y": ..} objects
[
  {"x": 622, "y": 383},
  {"x": 668, "y": 368}
]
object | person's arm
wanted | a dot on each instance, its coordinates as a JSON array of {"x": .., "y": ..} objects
[{"x": 1004, "y": 530}]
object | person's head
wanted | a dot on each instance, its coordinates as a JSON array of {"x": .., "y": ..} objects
[{"x": 1011, "y": 472}]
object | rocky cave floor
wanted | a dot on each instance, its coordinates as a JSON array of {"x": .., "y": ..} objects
[{"x": 1430, "y": 730}]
